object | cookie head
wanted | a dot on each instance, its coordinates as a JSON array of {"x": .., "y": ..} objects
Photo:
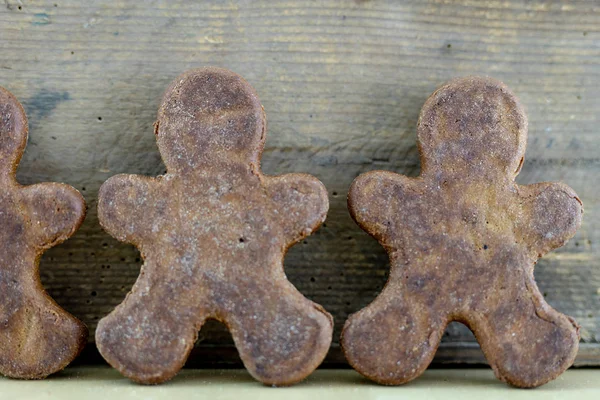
[
  {"x": 209, "y": 115},
  {"x": 474, "y": 126},
  {"x": 13, "y": 132}
]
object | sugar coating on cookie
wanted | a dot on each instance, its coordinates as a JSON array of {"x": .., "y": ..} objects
[
  {"x": 213, "y": 232},
  {"x": 37, "y": 337},
  {"x": 463, "y": 239}
]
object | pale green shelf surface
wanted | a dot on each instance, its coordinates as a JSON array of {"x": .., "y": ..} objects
[{"x": 91, "y": 383}]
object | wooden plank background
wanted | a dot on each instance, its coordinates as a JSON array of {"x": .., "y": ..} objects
[{"x": 342, "y": 83}]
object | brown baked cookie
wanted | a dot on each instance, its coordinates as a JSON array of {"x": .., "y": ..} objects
[
  {"x": 462, "y": 239},
  {"x": 37, "y": 337},
  {"x": 213, "y": 232}
]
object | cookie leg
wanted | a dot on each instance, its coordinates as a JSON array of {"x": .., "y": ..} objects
[
  {"x": 394, "y": 339},
  {"x": 37, "y": 337},
  {"x": 281, "y": 335},
  {"x": 148, "y": 337},
  {"x": 526, "y": 342}
]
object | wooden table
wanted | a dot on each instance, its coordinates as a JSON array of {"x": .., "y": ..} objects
[
  {"x": 98, "y": 383},
  {"x": 342, "y": 83}
]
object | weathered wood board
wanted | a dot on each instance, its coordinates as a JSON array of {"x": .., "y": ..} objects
[{"x": 342, "y": 83}]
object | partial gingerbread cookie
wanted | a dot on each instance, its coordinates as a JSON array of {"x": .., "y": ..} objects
[
  {"x": 37, "y": 337},
  {"x": 213, "y": 232},
  {"x": 462, "y": 239}
]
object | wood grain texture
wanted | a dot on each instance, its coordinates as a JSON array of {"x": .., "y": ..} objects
[{"x": 342, "y": 83}]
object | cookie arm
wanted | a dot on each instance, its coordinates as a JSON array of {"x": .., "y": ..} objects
[
  {"x": 55, "y": 212},
  {"x": 301, "y": 201},
  {"x": 125, "y": 207},
  {"x": 552, "y": 214},
  {"x": 373, "y": 200}
]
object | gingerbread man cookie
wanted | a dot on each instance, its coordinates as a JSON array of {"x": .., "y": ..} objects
[
  {"x": 37, "y": 337},
  {"x": 462, "y": 239},
  {"x": 213, "y": 232}
]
